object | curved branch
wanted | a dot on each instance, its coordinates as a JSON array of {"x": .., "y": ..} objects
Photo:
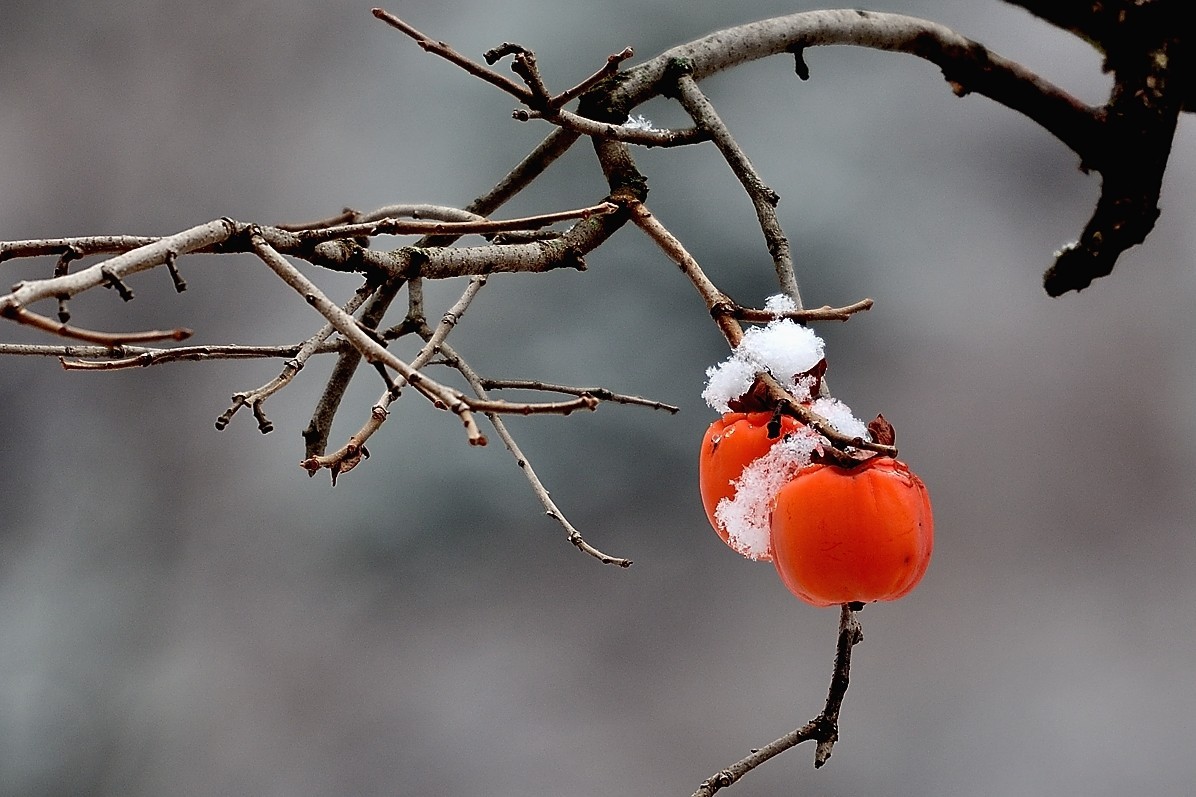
[
  {"x": 968, "y": 65},
  {"x": 824, "y": 728}
]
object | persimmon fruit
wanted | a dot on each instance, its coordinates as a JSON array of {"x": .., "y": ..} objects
[
  {"x": 844, "y": 535},
  {"x": 732, "y": 443}
]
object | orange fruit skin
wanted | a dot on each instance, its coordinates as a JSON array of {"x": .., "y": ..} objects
[
  {"x": 732, "y": 443},
  {"x": 864, "y": 534}
]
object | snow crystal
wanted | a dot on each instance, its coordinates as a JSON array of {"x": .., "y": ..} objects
[
  {"x": 780, "y": 303},
  {"x": 841, "y": 417},
  {"x": 746, "y": 516},
  {"x": 639, "y": 122}
]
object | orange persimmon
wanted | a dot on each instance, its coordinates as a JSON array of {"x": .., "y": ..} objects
[
  {"x": 732, "y": 443},
  {"x": 861, "y": 534}
]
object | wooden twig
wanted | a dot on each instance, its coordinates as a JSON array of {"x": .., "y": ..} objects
[
  {"x": 611, "y": 66},
  {"x": 110, "y": 339},
  {"x": 394, "y": 226},
  {"x": 148, "y": 255},
  {"x": 315, "y": 435},
  {"x": 449, "y": 54},
  {"x": 824, "y": 729},
  {"x": 350, "y": 454},
  {"x": 600, "y": 393},
  {"x": 824, "y": 313},
  {"x": 86, "y": 358},
  {"x": 550, "y": 508},
  {"x": 625, "y": 133},
  {"x": 344, "y": 323},
  {"x": 764, "y": 199}
]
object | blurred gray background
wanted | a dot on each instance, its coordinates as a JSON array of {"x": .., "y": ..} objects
[{"x": 184, "y": 612}]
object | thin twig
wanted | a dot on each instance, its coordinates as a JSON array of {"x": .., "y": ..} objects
[
  {"x": 111, "y": 339},
  {"x": 627, "y": 134},
  {"x": 676, "y": 251},
  {"x": 81, "y": 246},
  {"x": 764, "y": 199},
  {"x": 315, "y": 344},
  {"x": 824, "y": 313},
  {"x": 442, "y": 396},
  {"x": 449, "y": 54},
  {"x": 600, "y": 393},
  {"x": 500, "y": 428},
  {"x": 87, "y": 357},
  {"x": 394, "y": 226},
  {"x": 611, "y": 66},
  {"x": 824, "y": 728},
  {"x": 315, "y": 435},
  {"x": 143, "y": 257},
  {"x": 349, "y": 456}
]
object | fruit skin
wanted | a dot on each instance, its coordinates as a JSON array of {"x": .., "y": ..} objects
[
  {"x": 864, "y": 534},
  {"x": 732, "y": 443}
]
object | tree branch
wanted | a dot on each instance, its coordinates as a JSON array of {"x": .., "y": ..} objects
[{"x": 824, "y": 728}]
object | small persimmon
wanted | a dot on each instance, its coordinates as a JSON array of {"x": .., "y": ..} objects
[
  {"x": 861, "y": 534},
  {"x": 732, "y": 443}
]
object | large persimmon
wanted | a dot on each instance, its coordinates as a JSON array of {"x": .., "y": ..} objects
[
  {"x": 860, "y": 534},
  {"x": 732, "y": 443}
]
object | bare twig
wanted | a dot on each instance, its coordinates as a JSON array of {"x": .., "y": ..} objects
[
  {"x": 151, "y": 254},
  {"x": 112, "y": 339},
  {"x": 442, "y": 396},
  {"x": 764, "y": 199},
  {"x": 89, "y": 358},
  {"x": 500, "y": 428},
  {"x": 625, "y": 133},
  {"x": 824, "y": 729},
  {"x": 393, "y": 226},
  {"x": 611, "y": 66},
  {"x": 824, "y": 313},
  {"x": 532, "y": 166},
  {"x": 315, "y": 344},
  {"x": 349, "y": 455},
  {"x": 600, "y": 393},
  {"x": 676, "y": 251},
  {"x": 81, "y": 247},
  {"x": 449, "y": 54}
]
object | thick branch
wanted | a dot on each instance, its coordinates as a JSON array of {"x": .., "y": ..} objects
[{"x": 962, "y": 60}]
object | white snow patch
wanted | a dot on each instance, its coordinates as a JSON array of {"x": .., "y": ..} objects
[
  {"x": 780, "y": 303},
  {"x": 639, "y": 122},
  {"x": 747, "y": 515},
  {"x": 841, "y": 417},
  {"x": 727, "y": 381}
]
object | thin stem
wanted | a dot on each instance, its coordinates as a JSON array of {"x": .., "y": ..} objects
[
  {"x": 611, "y": 66},
  {"x": 630, "y": 135},
  {"x": 442, "y": 396},
  {"x": 764, "y": 199},
  {"x": 824, "y": 313},
  {"x": 824, "y": 728},
  {"x": 393, "y": 226},
  {"x": 139, "y": 357},
  {"x": 600, "y": 393},
  {"x": 449, "y": 54},
  {"x": 110, "y": 339},
  {"x": 550, "y": 508},
  {"x": 556, "y": 144}
]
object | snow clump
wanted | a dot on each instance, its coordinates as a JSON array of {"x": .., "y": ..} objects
[
  {"x": 747, "y": 515},
  {"x": 781, "y": 347}
]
